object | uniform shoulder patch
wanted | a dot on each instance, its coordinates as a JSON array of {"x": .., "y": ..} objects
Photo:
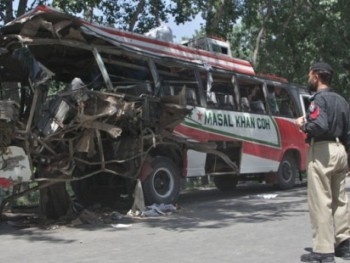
[{"x": 314, "y": 110}]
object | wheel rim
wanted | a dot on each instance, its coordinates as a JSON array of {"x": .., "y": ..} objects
[
  {"x": 163, "y": 182},
  {"x": 287, "y": 172}
]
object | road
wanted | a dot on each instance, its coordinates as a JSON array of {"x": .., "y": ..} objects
[{"x": 210, "y": 226}]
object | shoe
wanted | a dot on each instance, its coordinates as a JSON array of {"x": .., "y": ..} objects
[
  {"x": 318, "y": 258},
  {"x": 343, "y": 250}
]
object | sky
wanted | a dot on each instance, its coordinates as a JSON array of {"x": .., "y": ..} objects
[{"x": 185, "y": 30}]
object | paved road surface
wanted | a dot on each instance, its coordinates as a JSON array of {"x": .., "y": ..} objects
[{"x": 210, "y": 227}]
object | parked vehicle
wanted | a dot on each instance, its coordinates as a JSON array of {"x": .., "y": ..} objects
[{"x": 103, "y": 108}]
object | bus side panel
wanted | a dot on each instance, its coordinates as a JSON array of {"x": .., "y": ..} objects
[
  {"x": 257, "y": 158},
  {"x": 293, "y": 138},
  {"x": 256, "y": 164},
  {"x": 265, "y": 139},
  {"x": 195, "y": 163}
]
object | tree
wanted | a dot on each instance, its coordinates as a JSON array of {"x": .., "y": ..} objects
[
  {"x": 7, "y": 11},
  {"x": 138, "y": 16},
  {"x": 285, "y": 37},
  {"x": 219, "y": 15}
]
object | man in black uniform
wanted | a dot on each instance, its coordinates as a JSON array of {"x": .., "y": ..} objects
[{"x": 328, "y": 131}]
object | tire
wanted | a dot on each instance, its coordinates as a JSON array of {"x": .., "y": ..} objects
[
  {"x": 287, "y": 172},
  {"x": 225, "y": 183},
  {"x": 163, "y": 183}
]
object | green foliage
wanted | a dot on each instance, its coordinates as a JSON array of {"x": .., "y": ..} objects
[
  {"x": 138, "y": 16},
  {"x": 241, "y": 43},
  {"x": 183, "y": 11},
  {"x": 219, "y": 15},
  {"x": 296, "y": 33}
]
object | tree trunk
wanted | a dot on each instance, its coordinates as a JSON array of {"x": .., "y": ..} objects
[
  {"x": 8, "y": 12},
  {"x": 214, "y": 19},
  {"x": 22, "y": 5},
  {"x": 135, "y": 15},
  {"x": 262, "y": 31},
  {"x": 257, "y": 45}
]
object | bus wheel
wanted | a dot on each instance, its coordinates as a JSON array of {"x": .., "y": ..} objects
[
  {"x": 163, "y": 184},
  {"x": 287, "y": 172},
  {"x": 225, "y": 183}
]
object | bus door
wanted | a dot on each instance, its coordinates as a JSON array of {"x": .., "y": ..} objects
[{"x": 305, "y": 103}]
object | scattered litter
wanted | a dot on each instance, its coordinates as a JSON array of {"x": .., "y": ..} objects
[
  {"x": 76, "y": 222},
  {"x": 153, "y": 210},
  {"x": 121, "y": 225},
  {"x": 158, "y": 210},
  {"x": 151, "y": 213},
  {"x": 116, "y": 216},
  {"x": 52, "y": 227},
  {"x": 266, "y": 196},
  {"x": 134, "y": 213},
  {"x": 89, "y": 217},
  {"x": 261, "y": 196}
]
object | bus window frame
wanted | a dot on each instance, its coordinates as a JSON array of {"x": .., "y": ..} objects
[
  {"x": 231, "y": 91},
  {"x": 251, "y": 81}
]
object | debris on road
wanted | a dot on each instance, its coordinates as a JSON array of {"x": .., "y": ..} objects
[{"x": 263, "y": 196}]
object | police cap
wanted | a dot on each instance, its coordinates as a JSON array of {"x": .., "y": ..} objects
[{"x": 321, "y": 67}]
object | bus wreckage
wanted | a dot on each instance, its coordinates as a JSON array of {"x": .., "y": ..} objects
[{"x": 106, "y": 110}]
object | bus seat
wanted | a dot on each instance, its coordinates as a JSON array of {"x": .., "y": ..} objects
[
  {"x": 168, "y": 90},
  {"x": 211, "y": 100},
  {"x": 225, "y": 101},
  {"x": 191, "y": 97},
  {"x": 285, "y": 109},
  {"x": 137, "y": 89},
  {"x": 230, "y": 102},
  {"x": 220, "y": 98},
  {"x": 257, "y": 106},
  {"x": 245, "y": 104}
]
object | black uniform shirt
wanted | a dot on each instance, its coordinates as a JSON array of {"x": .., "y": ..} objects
[{"x": 328, "y": 117}]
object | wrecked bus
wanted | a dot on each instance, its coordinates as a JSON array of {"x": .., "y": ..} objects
[{"x": 103, "y": 109}]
